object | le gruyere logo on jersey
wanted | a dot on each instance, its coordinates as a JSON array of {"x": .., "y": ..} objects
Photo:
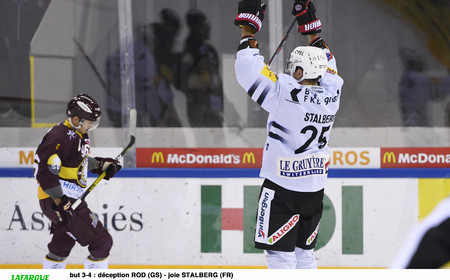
[
  {"x": 269, "y": 74},
  {"x": 301, "y": 167}
]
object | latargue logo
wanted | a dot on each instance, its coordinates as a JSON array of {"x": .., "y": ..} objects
[{"x": 415, "y": 157}]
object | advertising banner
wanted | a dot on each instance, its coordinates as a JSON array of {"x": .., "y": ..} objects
[
  {"x": 359, "y": 158},
  {"x": 24, "y": 157},
  {"x": 415, "y": 157},
  {"x": 181, "y": 209},
  {"x": 199, "y": 157},
  {"x": 211, "y": 221},
  {"x": 244, "y": 157}
]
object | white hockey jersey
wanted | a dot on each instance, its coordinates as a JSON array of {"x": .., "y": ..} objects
[{"x": 296, "y": 153}]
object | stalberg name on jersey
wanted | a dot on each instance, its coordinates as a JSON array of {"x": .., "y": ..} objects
[{"x": 317, "y": 118}]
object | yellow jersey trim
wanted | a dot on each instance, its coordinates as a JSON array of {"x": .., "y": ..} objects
[
  {"x": 42, "y": 194},
  {"x": 67, "y": 123},
  {"x": 269, "y": 74},
  {"x": 69, "y": 173}
]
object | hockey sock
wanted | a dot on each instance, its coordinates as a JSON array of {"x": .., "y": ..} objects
[
  {"x": 305, "y": 258},
  {"x": 280, "y": 260},
  {"x": 96, "y": 263},
  {"x": 54, "y": 264}
]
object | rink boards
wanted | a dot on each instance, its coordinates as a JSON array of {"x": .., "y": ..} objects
[{"x": 205, "y": 217}]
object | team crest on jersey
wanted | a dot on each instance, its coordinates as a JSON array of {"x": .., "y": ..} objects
[
  {"x": 83, "y": 172},
  {"x": 329, "y": 56},
  {"x": 72, "y": 134},
  {"x": 312, "y": 165}
]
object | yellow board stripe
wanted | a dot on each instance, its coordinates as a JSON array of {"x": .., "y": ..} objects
[
  {"x": 32, "y": 90},
  {"x": 431, "y": 191},
  {"x": 32, "y": 101}
]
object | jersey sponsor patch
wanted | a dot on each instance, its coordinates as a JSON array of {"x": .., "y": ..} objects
[
  {"x": 293, "y": 168},
  {"x": 282, "y": 231},
  {"x": 54, "y": 164},
  {"x": 71, "y": 189},
  {"x": 269, "y": 74},
  {"x": 263, "y": 215},
  {"x": 331, "y": 71},
  {"x": 313, "y": 236}
]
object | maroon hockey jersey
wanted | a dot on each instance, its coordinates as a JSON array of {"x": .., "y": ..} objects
[{"x": 62, "y": 159}]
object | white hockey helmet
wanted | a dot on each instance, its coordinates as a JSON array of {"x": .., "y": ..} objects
[{"x": 312, "y": 60}]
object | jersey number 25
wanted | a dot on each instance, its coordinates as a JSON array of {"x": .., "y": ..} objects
[{"x": 322, "y": 139}]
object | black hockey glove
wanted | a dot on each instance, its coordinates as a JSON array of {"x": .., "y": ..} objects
[
  {"x": 305, "y": 13},
  {"x": 251, "y": 13},
  {"x": 112, "y": 170},
  {"x": 109, "y": 165},
  {"x": 64, "y": 211}
]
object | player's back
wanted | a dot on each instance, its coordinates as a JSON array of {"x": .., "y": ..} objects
[{"x": 299, "y": 125}]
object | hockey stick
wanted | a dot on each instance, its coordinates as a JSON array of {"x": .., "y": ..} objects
[
  {"x": 133, "y": 118},
  {"x": 281, "y": 45},
  {"x": 283, "y": 41},
  {"x": 91, "y": 63}
]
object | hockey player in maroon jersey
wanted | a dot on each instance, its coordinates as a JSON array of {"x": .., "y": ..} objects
[
  {"x": 302, "y": 106},
  {"x": 61, "y": 165}
]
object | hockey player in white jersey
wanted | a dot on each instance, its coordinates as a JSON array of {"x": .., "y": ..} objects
[{"x": 302, "y": 106}]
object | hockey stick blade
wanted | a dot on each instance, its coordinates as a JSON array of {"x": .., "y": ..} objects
[
  {"x": 281, "y": 45},
  {"x": 133, "y": 119}
]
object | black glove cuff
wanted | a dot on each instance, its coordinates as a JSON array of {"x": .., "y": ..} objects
[
  {"x": 248, "y": 42},
  {"x": 319, "y": 43}
]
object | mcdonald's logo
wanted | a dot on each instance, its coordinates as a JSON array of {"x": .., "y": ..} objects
[
  {"x": 24, "y": 159},
  {"x": 158, "y": 157},
  {"x": 248, "y": 157},
  {"x": 389, "y": 157}
]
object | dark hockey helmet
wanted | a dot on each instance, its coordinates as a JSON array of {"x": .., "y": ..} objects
[{"x": 85, "y": 107}]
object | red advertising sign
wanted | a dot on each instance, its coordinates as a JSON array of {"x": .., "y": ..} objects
[
  {"x": 199, "y": 157},
  {"x": 415, "y": 157}
]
